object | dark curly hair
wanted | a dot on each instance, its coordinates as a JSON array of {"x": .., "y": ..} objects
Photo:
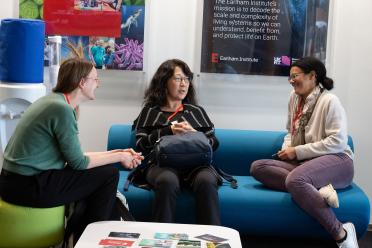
[
  {"x": 308, "y": 64},
  {"x": 156, "y": 93}
]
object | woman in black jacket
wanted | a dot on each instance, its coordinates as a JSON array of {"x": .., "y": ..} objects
[{"x": 170, "y": 109}]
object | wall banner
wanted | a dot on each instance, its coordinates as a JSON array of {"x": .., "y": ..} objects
[
  {"x": 262, "y": 37},
  {"x": 110, "y": 33}
]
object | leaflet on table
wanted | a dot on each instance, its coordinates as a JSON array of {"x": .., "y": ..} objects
[
  {"x": 162, "y": 240},
  {"x": 156, "y": 243},
  {"x": 124, "y": 235},
  {"x": 173, "y": 236}
]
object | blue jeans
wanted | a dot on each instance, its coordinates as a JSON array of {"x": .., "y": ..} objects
[{"x": 303, "y": 180}]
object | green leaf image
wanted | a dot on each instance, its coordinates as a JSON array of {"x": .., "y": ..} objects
[
  {"x": 39, "y": 2},
  {"x": 41, "y": 9},
  {"x": 29, "y": 9}
]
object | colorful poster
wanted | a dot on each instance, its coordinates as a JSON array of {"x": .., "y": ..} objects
[
  {"x": 98, "y": 5},
  {"x": 31, "y": 9},
  {"x": 122, "y": 52},
  {"x": 262, "y": 37},
  {"x": 75, "y": 47},
  {"x": 129, "y": 47},
  {"x": 134, "y": 2},
  {"x": 101, "y": 52}
]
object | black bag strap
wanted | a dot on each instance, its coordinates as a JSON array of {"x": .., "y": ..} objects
[
  {"x": 233, "y": 182},
  {"x": 130, "y": 178},
  {"x": 138, "y": 169}
]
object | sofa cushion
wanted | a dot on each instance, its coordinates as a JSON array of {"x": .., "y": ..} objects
[
  {"x": 251, "y": 208},
  {"x": 239, "y": 148},
  {"x": 254, "y": 209}
]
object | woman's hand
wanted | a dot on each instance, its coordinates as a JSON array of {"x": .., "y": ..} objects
[
  {"x": 182, "y": 127},
  {"x": 187, "y": 127},
  {"x": 130, "y": 159},
  {"x": 177, "y": 128},
  {"x": 288, "y": 153}
]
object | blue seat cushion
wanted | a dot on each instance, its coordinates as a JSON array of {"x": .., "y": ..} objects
[{"x": 268, "y": 212}]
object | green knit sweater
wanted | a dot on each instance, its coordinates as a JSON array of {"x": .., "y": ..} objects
[{"x": 46, "y": 137}]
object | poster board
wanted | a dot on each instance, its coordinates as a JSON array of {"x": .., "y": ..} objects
[
  {"x": 262, "y": 37},
  {"x": 110, "y": 33}
]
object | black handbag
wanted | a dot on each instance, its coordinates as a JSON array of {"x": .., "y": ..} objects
[{"x": 183, "y": 151}]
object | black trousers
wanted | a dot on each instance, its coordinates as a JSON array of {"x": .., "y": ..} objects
[
  {"x": 166, "y": 184},
  {"x": 95, "y": 188}
]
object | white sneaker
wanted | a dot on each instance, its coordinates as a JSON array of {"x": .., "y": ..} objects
[
  {"x": 330, "y": 195},
  {"x": 351, "y": 239}
]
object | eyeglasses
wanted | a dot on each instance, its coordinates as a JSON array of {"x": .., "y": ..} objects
[
  {"x": 95, "y": 79},
  {"x": 179, "y": 79},
  {"x": 294, "y": 75}
]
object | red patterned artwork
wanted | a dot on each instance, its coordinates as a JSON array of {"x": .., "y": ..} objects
[{"x": 63, "y": 18}]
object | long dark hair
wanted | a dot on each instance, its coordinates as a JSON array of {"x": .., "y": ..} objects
[
  {"x": 156, "y": 93},
  {"x": 308, "y": 64},
  {"x": 71, "y": 72}
]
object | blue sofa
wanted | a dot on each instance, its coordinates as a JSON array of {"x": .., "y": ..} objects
[{"x": 251, "y": 208}]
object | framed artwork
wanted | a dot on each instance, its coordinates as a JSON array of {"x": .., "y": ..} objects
[{"x": 262, "y": 37}]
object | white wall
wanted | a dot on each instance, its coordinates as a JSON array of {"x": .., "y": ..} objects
[
  {"x": 9, "y": 9},
  {"x": 173, "y": 29},
  {"x": 352, "y": 67}
]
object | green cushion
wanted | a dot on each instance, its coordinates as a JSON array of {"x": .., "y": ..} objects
[{"x": 30, "y": 227}]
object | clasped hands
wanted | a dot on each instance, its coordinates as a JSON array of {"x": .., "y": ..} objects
[
  {"x": 130, "y": 159},
  {"x": 182, "y": 127}
]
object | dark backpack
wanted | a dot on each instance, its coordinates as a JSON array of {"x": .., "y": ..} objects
[{"x": 183, "y": 152}]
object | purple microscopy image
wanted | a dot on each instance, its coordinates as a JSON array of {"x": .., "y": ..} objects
[{"x": 129, "y": 55}]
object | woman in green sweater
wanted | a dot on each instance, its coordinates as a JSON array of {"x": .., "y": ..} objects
[{"x": 44, "y": 165}]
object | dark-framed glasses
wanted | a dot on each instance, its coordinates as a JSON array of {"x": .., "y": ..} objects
[
  {"x": 179, "y": 79},
  {"x": 294, "y": 76},
  {"x": 95, "y": 79}
]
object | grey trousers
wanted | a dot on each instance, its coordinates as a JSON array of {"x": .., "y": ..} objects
[{"x": 303, "y": 180}]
